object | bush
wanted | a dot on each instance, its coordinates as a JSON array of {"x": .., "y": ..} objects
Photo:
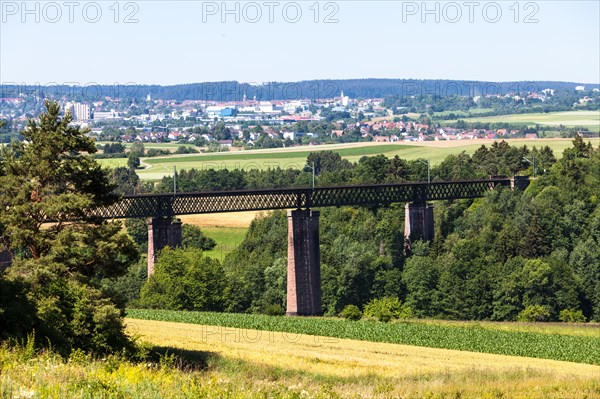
[
  {"x": 193, "y": 237},
  {"x": 274, "y": 310},
  {"x": 387, "y": 308},
  {"x": 351, "y": 312},
  {"x": 534, "y": 313},
  {"x": 184, "y": 279},
  {"x": 65, "y": 313},
  {"x": 572, "y": 316}
]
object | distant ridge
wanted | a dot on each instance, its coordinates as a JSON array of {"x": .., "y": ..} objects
[{"x": 309, "y": 89}]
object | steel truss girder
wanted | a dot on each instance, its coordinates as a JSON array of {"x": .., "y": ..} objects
[{"x": 156, "y": 205}]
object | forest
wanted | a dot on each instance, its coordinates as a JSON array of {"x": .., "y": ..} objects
[
  {"x": 528, "y": 256},
  {"x": 309, "y": 89}
]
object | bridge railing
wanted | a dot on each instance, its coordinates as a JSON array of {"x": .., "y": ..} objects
[{"x": 154, "y": 205}]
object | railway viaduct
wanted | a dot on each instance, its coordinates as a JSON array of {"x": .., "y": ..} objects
[{"x": 303, "y": 280}]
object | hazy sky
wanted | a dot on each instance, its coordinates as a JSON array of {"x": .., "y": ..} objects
[{"x": 170, "y": 42}]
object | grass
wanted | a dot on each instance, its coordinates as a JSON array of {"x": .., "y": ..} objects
[
  {"x": 459, "y": 113},
  {"x": 198, "y": 361},
  {"x": 588, "y": 119},
  {"x": 227, "y": 239},
  {"x": 575, "y": 329},
  {"x": 582, "y": 349},
  {"x": 296, "y": 157}
]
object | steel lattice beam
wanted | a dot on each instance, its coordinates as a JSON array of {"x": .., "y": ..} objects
[{"x": 139, "y": 206}]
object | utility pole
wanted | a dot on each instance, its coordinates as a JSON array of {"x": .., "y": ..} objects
[
  {"x": 174, "y": 179},
  {"x": 313, "y": 173},
  {"x": 533, "y": 163},
  {"x": 428, "y": 163}
]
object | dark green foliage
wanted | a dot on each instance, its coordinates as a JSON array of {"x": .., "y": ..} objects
[
  {"x": 491, "y": 257},
  {"x": 125, "y": 179},
  {"x": 125, "y": 289},
  {"x": 113, "y": 148},
  {"x": 138, "y": 231},
  {"x": 421, "y": 277},
  {"x": 184, "y": 279},
  {"x": 327, "y": 161},
  {"x": 133, "y": 161},
  {"x": 193, "y": 237},
  {"x": 257, "y": 269},
  {"x": 55, "y": 280},
  {"x": 351, "y": 312},
  {"x": 386, "y": 308}
]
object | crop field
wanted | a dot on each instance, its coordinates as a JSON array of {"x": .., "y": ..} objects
[
  {"x": 350, "y": 368},
  {"x": 588, "y": 119},
  {"x": 201, "y": 361},
  {"x": 156, "y": 168},
  {"x": 581, "y": 349}
]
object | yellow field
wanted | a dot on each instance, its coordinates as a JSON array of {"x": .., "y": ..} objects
[
  {"x": 237, "y": 219},
  {"x": 346, "y": 368}
]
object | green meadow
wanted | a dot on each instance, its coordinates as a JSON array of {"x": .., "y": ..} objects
[
  {"x": 227, "y": 239},
  {"x": 156, "y": 168}
]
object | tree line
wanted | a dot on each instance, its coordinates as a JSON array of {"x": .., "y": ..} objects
[{"x": 528, "y": 256}]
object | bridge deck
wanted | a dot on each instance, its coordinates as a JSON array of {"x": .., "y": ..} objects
[{"x": 155, "y": 205}]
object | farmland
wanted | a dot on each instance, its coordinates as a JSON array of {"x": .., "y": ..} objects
[
  {"x": 295, "y": 157},
  {"x": 211, "y": 362},
  {"x": 214, "y": 362},
  {"x": 583, "y": 349},
  {"x": 587, "y": 119}
]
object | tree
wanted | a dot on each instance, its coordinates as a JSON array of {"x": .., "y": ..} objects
[
  {"x": 48, "y": 178},
  {"x": 185, "y": 279},
  {"x": 137, "y": 147},
  {"x": 125, "y": 179},
  {"x": 327, "y": 161},
  {"x": 421, "y": 278},
  {"x": 193, "y": 237},
  {"x": 133, "y": 161}
]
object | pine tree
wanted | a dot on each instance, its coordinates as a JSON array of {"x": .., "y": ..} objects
[{"x": 48, "y": 185}]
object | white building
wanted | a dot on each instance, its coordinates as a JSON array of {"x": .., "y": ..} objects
[
  {"x": 345, "y": 100},
  {"x": 579, "y": 88},
  {"x": 266, "y": 107},
  {"x": 102, "y": 115},
  {"x": 290, "y": 135},
  {"x": 79, "y": 111}
]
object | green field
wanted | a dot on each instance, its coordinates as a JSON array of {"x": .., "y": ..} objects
[
  {"x": 227, "y": 239},
  {"x": 296, "y": 157},
  {"x": 581, "y": 349},
  {"x": 587, "y": 119},
  {"x": 473, "y": 111}
]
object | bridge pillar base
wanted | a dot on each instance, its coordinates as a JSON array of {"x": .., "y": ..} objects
[
  {"x": 162, "y": 232},
  {"x": 304, "y": 264},
  {"x": 418, "y": 224}
]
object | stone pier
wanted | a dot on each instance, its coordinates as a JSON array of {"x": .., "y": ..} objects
[
  {"x": 162, "y": 232},
  {"x": 304, "y": 264},
  {"x": 418, "y": 224}
]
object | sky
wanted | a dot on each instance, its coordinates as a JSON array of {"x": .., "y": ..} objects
[{"x": 175, "y": 42}]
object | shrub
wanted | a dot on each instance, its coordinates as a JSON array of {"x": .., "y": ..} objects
[
  {"x": 274, "y": 310},
  {"x": 351, "y": 312},
  {"x": 184, "y": 279},
  {"x": 571, "y": 316},
  {"x": 533, "y": 313},
  {"x": 387, "y": 308}
]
